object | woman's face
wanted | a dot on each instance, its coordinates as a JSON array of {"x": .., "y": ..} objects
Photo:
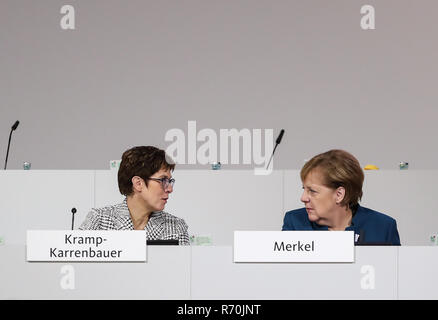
[
  {"x": 319, "y": 200},
  {"x": 154, "y": 195}
]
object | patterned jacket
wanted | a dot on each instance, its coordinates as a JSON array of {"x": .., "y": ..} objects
[{"x": 161, "y": 225}]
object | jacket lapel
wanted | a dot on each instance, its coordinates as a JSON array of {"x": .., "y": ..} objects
[
  {"x": 155, "y": 225},
  {"x": 123, "y": 218}
]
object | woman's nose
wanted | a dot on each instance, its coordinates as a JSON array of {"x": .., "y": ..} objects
[
  {"x": 169, "y": 189},
  {"x": 304, "y": 197}
]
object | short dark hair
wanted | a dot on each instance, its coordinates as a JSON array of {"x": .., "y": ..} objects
[
  {"x": 339, "y": 169},
  {"x": 141, "y": 161}
]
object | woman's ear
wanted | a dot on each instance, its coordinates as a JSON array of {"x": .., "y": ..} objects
[
  {"x": 340, "y": 195},
  {"x": 137, "y": 183}
]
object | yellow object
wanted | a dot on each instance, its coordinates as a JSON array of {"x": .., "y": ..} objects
[{"x": 371, "y": 167}]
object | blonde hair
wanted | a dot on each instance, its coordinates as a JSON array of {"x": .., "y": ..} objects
[{"x": 339, "y": 169}]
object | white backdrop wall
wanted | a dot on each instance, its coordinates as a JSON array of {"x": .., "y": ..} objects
[{"x": 131, "y": 70}]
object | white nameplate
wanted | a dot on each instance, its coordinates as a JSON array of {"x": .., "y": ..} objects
[
  {"x": 86, "y": 245},
  {"x": 293, "y": 246}
]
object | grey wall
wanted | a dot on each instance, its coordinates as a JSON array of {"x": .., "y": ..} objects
[{"x": 134, "y": 69}]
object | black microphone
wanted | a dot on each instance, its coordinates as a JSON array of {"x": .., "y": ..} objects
[
  {"x": 73, "y": 211},
  {"x": 280, "y": 136},
  {"x": 9, "y": 142},
  {"x": 15, "y": 125},
  {"x": 277, "y": 142}
]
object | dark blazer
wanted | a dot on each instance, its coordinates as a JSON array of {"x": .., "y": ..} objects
[{"x": 370, "y": 227}]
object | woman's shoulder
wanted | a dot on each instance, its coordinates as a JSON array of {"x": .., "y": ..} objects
[
  {"x": 109, "y": 210},
  {"x": 297, "y": 212},
  {"x": 170, "y": 218},
  {"x": 297, "y": 215},
  {"x": 370, "y": 214},
  {"x": 102, "y": 217}
]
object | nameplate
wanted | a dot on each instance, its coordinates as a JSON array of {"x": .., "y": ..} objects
[
  {"x": 86, "y": 245},
  {"x": 293, "y": 246}
]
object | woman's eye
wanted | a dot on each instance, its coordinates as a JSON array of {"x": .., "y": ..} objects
[{"x": 309, "y": 190}]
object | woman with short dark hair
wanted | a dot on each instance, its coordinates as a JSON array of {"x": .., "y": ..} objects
[
  {"x": 145, "y": 178},
  {"x": 332, "y": 189}
]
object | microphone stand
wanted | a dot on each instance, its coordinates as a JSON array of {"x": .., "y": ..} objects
[
  {"x": 277, "y": 142},
  {"x": 73, "y": 211},
  {"x": 271, "y": 156},
  {"x": 14, "y": 126},
  {"x": 7, "y": 152}
]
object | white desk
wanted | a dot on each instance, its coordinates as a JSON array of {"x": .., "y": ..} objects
[
  {"x": 418, "y": 273},
  {"x": 207, "y": 273},
  {"x": 215, "y": 276},
  {"x": 166, "y": 275}
]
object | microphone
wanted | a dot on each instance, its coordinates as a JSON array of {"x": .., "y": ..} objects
[
  {"x": 13, "y": 128},
  {"x": 277, "y": 142},
  {"x": 15, "y": 125},
  {"x": 73, "y": 211},
  {"x": 280, "y": 136}
]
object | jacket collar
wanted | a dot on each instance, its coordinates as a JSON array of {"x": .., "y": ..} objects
[
  {"x": 355, "y": 221},
  {"x": 123, "y": 219}
]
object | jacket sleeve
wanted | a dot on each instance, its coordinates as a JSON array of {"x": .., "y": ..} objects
[{"x": 183, "y": 235}]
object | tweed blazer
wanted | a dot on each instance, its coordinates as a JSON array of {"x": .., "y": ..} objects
[{"x": 161, "y": 225}]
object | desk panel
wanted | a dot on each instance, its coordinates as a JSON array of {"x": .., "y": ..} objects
[
  {"x": 418, "y": 273},
  {"x": 215, "y": 276},
  {"x": 42, "y": 199},
  {"x": 165, "y": 275},
  {"x": 218, "y": 202}
]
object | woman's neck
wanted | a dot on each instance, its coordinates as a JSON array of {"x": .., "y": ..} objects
[
  {"x": 139, "y": 212},
  {"x": 342, "y": 219}
]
